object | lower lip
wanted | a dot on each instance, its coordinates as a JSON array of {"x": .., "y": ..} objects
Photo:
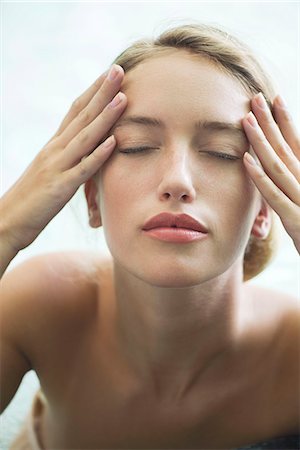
[{"x": 175, "y": 234}]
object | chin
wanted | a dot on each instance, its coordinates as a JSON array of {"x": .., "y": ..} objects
[{"x": 172, "y": 278}]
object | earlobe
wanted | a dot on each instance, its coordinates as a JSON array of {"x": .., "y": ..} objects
[
  {"x": 263, "y": 222},
  {"x": 91, "y": 191}
]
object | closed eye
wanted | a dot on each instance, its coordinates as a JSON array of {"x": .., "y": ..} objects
[
  {"x": 224, "y": 156},
  {"x": 135, "y": 149},
  {"x": 220, "y": 155}
]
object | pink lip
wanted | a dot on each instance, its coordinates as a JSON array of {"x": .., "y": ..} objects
[
  {"x": 168, "y": 220},
  {"x": 178, "y": 235},
  {"x": 175, "y": 228}
]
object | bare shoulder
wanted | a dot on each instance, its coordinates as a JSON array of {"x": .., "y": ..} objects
[
  {"x": 50, "y": 277},
  {"x": 50, "y": 290},
  {"x": 273, "y": 303},
  {"x": 281, "y": 312}
]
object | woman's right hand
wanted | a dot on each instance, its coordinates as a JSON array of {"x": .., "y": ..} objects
[{"x": 57, "y": 171}]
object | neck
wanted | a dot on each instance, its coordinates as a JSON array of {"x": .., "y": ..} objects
[{"x": 171, "y": 336}]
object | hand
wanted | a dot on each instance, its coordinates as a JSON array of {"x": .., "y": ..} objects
[
  {"x": 277, "y": 146},
  {"x": 58, "y": 170}
]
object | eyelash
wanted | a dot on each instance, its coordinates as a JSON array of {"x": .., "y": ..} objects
[{"x": 223, "y": 156}]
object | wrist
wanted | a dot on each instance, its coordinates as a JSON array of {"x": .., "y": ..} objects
[
  {"x": 7, "y": 253},
  {"x": 7, "y": 244}
]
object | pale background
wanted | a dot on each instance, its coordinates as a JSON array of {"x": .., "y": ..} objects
[{"x": 52, "y": 51}]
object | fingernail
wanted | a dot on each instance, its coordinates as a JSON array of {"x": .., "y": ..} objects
[
  {"x": 109, "y": 141},
  {"x": 249, "y": 158},
  {"x": 251, "y": 119},
  {"x": 113, "y": 73},
  {"x": 116, "y": 101},
  {"x": 280, "y": 102},
  {"x": 260, "y": 100}
]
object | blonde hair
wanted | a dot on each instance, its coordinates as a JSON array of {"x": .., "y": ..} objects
[{"x": 237, "y": 60}]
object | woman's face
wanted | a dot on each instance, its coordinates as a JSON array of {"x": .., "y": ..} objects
[{"x": 182, "y": 171}]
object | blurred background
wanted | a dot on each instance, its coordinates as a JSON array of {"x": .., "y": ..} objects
[{"x": 52, "y": 51}]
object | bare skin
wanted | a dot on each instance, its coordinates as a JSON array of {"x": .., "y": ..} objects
[
  {"x": 154, "y": 384},
  {"x": 95, "y": 400}
]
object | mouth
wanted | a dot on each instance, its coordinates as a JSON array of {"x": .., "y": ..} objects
[
  {"x": 175, "y": 234},
  {"x": 175, "y": 221},
  {"x": 177, "y": 228}
]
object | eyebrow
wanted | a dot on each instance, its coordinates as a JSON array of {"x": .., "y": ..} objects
[{"x": 229, "y": 127}]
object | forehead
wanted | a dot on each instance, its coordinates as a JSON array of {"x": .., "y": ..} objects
[{"x": 181, "y": 87}]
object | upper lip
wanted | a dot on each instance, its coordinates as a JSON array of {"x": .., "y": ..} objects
[{"x": 166, "y": 219}]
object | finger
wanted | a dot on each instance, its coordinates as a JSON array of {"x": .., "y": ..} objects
[
  {"x": 108, "y": 90},
  {"x": 98, "y": 102},
  {"x": 286, "y": 125},
  {"x": 269, "y": 126},
  {"x": 273, "y": 133},
  {"x": 288, "y": 211},
  {"x": 80, "y": 103},
  {"x": 88, "y": 166},
  {"x": 88, "y": 138},
  {"x": 282, "y": 176}
]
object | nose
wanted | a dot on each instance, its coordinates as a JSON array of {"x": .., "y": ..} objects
[{"x": 177, "y": 178}]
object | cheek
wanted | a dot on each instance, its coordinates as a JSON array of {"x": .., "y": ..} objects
[
  {"x": 238, "y": 190},
  {"x": 228, "y": 182},
  {"x": 245, "y": 193},
  {"x": 119, "y": 191},
  {"x": 234, "y": 198},
  {"x": 122, "y": 204}
]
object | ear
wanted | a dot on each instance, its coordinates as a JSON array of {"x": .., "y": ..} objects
[
  {"x": 263, "y": 221},
  {"x": 91, "y": 193}
]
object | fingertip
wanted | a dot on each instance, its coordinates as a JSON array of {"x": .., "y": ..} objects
[
  {"x": 249, "y": 159},
  {"x": 109, "y": 142},
  {"x": 120, "y": 69},
  {"x": 279, "y": 101}
]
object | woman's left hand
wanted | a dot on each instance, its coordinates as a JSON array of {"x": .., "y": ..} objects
[{"x": 277, "y": 146}]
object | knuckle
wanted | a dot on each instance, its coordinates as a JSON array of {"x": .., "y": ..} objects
[
  {"x": 84, "y": 116},
  {"x": 83, "y": 136},
  {"x": 98, "y": 83},
  {"x": 53, "y": 144},
  {"x": 261, "y": 173},
  {"x": 278, "y": 167},
  {"x": 261, "y": 139},
  {"x": 99, "y": 100},
  {"x": 82, "y": 169},
  {"x": 282, "y": 150},
  {"x": 77, "y": 105},
  {"x": 286, "y": 115},
  {"x": 276, "y": 195},
  {"x": 96, "y": 153},
  {"x": 268, "y": 118},
  {"x": 92, "y": 154},
  {"x": 43, "y": 156}
]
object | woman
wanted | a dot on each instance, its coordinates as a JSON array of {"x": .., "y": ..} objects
[{"x": 164, "y": 345}]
